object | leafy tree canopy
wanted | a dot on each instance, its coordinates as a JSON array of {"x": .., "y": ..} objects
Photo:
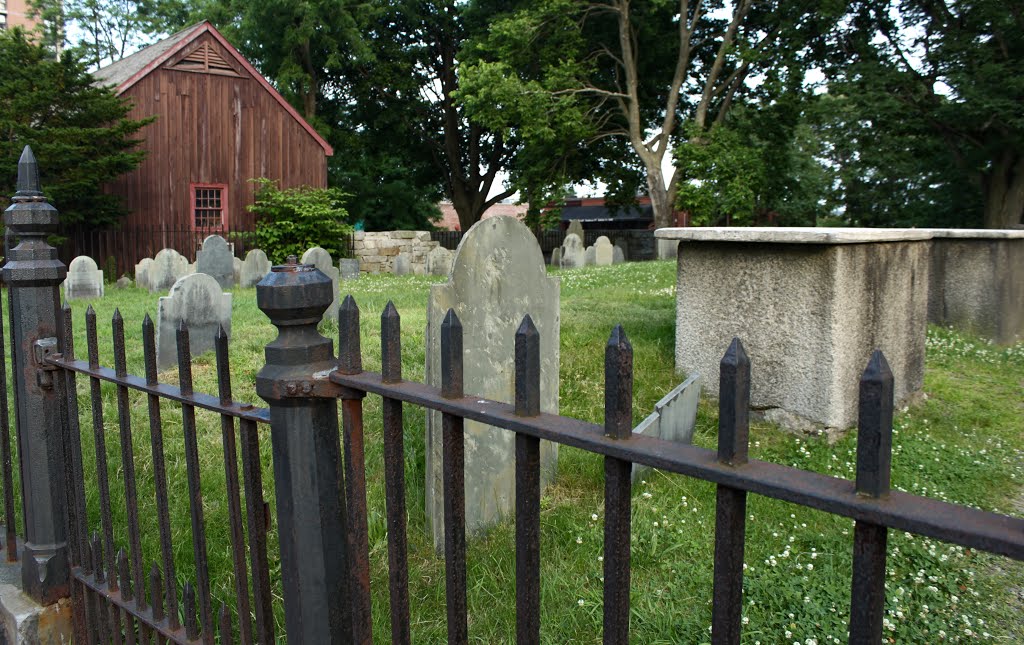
[{"x": 79, "y": 132}]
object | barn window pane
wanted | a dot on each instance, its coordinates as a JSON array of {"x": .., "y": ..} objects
[{"x": 208, "y": 207}]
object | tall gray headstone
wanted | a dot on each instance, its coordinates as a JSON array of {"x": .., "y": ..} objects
[
  {"x": 589, "y": 257},
  {"x": 498, "y": 277},
  {"x": 403, "y": 264},
  {"x": 556, "y": 257},
  {"x": 575, "y": 228},
  {"x": 439, "y": 261},
  {"x": 142, "y": 273},
  {"x": 349, "y": 268},
  {"x": 167, "y": 267},
  {"x": 216, "y": 261},
  {"x": 197, "y": 300},
  {"x": 321, "y": 259},
  {"x": 604, "y": 252},
  {"x": 84, "y": 279},
  {"x": 236, "y": 265},
  {"x": 255, "y": 267},
  {"x": 572, "y": 251}
]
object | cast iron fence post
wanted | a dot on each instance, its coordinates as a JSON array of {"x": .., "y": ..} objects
[
  {"x": 307, "y": 461},
  {"x": 33, "y": 275}
]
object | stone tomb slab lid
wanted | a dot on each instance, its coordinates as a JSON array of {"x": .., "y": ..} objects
[{"x": 793, "y": 234}]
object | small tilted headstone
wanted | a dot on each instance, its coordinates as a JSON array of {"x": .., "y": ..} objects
[
  {"x": 215, "y": 260},
  {"x": 439, "y": 261},
  {"x": 254, "y": 268},
  {"x": 123, "y": 282},
  {"x": 167, "y": 267},
  {"x": 84, "y": 279},
  {"x": 349, "y": 268},
  {"x": 322, "y": 260},
  {"x": 572, "y": 251},
  {"x": 674, "y": 417},
  {"x": 142, "y": 270},
  {"x": 196, "y": 300},
  {"x": 618, "y": 255},
  {"x": 403, "y": 264},
  {"x": 498, "y": 277},
  {"x": 589, "y": 257},
  {"x": 236, "y": 266},
  {"x": 604, "y": 252},
  {"x": 556, "y": 257}
]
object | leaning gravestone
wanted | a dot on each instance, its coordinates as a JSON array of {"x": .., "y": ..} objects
[
  {"x": 575, "y": 228},
  {"x": 497, "y": 278},
  {"x": 84, "y": 279},
  {"x": 215, "y": 260},
  {"x": 349, "y": 268},
  {"x": 167, "y": 267},
  {"x": 589, "y": 257},
  {"x": 618, "y": 255},
  {"x": 674, "y": 417},
  {"x": 196, "y": 300},
  {"x": 142, "y": 270},
  {"x": 255, "y": 267},
  {"x": 556, "y": 257},
  {"x": 604, "y": 252},
  {"x": 403, "y": 264},
  {"x": 321, "y": 259},
  {"x": 439, "y": 261},
  {"x": 572, "y": 251}
]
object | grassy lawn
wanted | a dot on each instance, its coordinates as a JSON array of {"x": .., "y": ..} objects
[{"x": 963, "y": 444}]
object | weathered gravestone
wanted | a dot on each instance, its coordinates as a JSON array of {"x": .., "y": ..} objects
[
  {"x": 439, "y": 261},
  {"x": 556, "y": 257},
  {"x": 618, "y": 255},
  {"x": 575, "y": 228},
  {"x": 349, "y": 268},
  {"x": 196, "y": 300},
  {"x": 403, "y": 264},
  {"x": 236, "y": 265},
  {"x": 589, "y": 257},
  {"x": 216, "y": 261},
  {"x": 123, "y": 282},
  {"x": 321, "y": 259},
  {"x": 572, "y": 251},
  {"x": 167, "y": 267},
  {"x": 254, "y": 268},
  {"x": 84, "y": 279},
  {"x": 498, "y": 277},
  {"x": 142, "y": 270},
  {"x": 674, "y": 417},
  {"x": 604, "y": 252}
]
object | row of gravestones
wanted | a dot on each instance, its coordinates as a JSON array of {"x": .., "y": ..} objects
[
  {"x": 572, "y": 254},
  {"x": 214, "y": 259}
]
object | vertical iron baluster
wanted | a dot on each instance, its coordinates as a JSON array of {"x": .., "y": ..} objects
[
  {"x": 100, "y": 439},
  {"x": 618, "y": 424},
  {"x": 227, "y": 429},
  {"x": 394, "y": 475},
  {"x": 102, "y": 607},
  {"x": 453, "y": 465},
  {"x": 10, "y": 526},
  {"x": 874, "y": 459},
  {"x": 350, "y": 362},
  {"x": 128, "y": 462},
  {"x": 195, "y": 494},
  {"x": 225, "y": 624},
  {"x": 256, "y": 522},
  {"x": 527, "y": 402},
  {"x": 156, "y": 438},
  {"x": 91, "y": 617},
  {"x": 189, "y": 596},
  {"x": 158, "y": 600},
  {"x": 126, "y": 595},
  {"x": 731, "y": 503}
]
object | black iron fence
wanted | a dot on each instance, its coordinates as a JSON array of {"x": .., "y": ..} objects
[
  {"x": 324, "y": 543},
  {"x": 638, "y": 243}
]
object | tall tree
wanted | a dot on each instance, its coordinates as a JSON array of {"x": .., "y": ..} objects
[
  {"x": 641, "y": 70},
  {"x": 79, "y": 132},
  {"x": 949, "y": 76}
]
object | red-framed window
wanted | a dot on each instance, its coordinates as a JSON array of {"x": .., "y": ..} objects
[{"x": 209, "y": 207}]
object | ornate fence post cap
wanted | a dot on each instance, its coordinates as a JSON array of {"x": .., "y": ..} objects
[
  {"x": 30, "y": 218},
  {"x": 294, "y": 294}
]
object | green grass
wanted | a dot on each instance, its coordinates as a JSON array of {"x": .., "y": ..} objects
[{"x": 963, "y": 444}]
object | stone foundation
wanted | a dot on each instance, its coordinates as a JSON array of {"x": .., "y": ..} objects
[{"x": 376, "y": 252}]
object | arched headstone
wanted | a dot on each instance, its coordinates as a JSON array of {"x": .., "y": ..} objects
[
  {"x": 497, "y": 278},
  {"x": 197, "y": 300},
  {"x": 439, "y": 261},
  {"x": 167, "y": 267},
  {"x": 142, "y": 270},
  {"x": 575, "y": 228},
  {"x": 572, "y": 251},
  {"x": 322, "y": 260},
  {"x": 84, "y": 279},
  {"x": 215, "y": 260},
  {"x": 604, "y": 252},
  {"x": 255, "y": 267}
]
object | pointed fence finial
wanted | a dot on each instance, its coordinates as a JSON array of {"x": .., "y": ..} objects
[
  {"x": 350, "y": 360},
  {"x": 734, "y": 405},
  {"x": 874, "y": 428},
  {"x": 391, "y": 344},
  {"x": 451, "y": 356},
  {"x": 618, "y": 385},
  {"x": 527, "y": 355},
  {"x": 28, "y": 175}
]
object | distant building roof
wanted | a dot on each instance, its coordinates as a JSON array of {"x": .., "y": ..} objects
[{"x": 594, "y": 209}]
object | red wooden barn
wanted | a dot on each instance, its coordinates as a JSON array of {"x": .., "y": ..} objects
[{"x": 219, "y": 124}]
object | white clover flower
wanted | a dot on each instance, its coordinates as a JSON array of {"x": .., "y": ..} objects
[
  {"x": 593, "y": 516},
  {"x": 579, "y": 539},
  {"x": 580, "y": 602}
]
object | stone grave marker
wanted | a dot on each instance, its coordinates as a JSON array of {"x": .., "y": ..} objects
[
  {"x": 439, "y": 261},
  {"x": 674, "y": 417},
  {"x": 123, "y": 282},
  {"x": 84, "y": 279},
  {"x": 604, "y": 252},
  {"x": 618, "y": 255},
  {"x": 556, "y": 257},
  {"x": 142, "y": 270},
  {"x": 254, "y": 268},
  {"x": 572, "y": 251},
  {"x": 589, "y": 257},
  {"x": 403, "y": 264},
  {"x": 349, "y": 268},
  {"x": 167, "y": 267},
  {"x": 497, "y": 278},
  {"x": 321, "y": 259},
  {"x": 215, "y": 260},
  {"x": 236, "y": 266},
  {"x": 575, "y": 228},
  {"x": 197, "y": 300}
]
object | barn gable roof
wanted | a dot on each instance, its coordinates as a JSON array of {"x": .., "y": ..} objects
[{"x": 131, "y": 69}]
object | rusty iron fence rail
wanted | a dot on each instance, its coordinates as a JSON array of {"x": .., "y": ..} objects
[{"x": 320, "y": 482}]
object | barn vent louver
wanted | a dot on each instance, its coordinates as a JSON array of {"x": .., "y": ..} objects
[{"x": 205, "y": 59}]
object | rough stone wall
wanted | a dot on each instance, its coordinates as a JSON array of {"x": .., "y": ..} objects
[{"x": 376, "y": 252}]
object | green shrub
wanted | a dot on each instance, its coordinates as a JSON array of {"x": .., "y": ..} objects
[{"x": 290, "y": 221}]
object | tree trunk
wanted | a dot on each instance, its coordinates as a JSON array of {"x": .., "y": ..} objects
[
  {"x": 662, "y": 202},
  {"x": 1003, "y": 189}
]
